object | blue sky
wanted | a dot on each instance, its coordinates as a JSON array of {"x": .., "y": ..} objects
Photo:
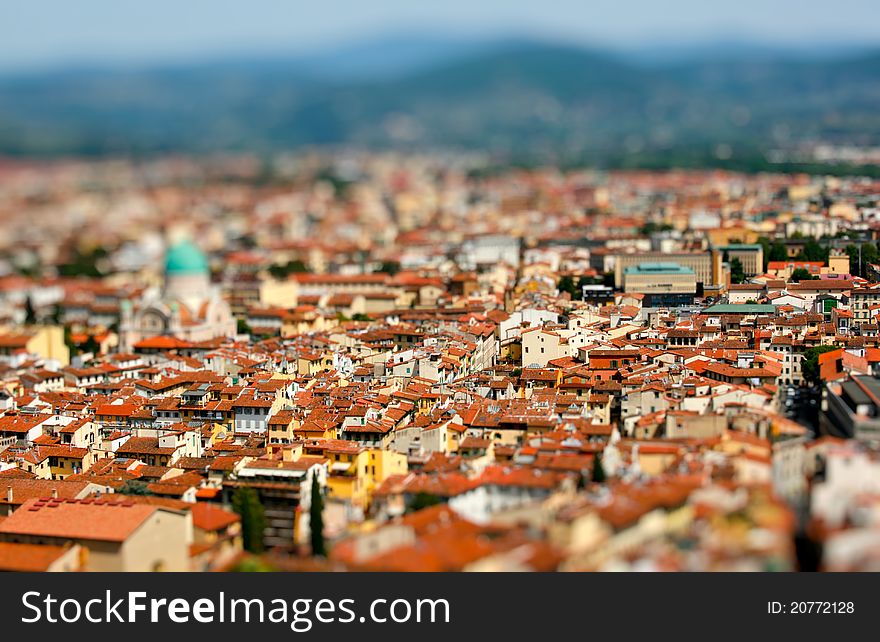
[{"x": 44, "y": 33}]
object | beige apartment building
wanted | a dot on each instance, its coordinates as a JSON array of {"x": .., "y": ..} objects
[
  {"x": 707, "y": 266},
  {"x": 659, "y": 278},
  {"x": 116, "y": 535},
  {"x": 751, "y": 257}
]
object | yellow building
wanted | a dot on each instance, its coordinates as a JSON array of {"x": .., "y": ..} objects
[
  {"x": 46, "y": 341},
  {"x": 728, "y": 235},
  {"x": 838, "y": 263},
  {"x": 264, "y": 291},
  {"x": 383, "y": 464},
  {"x": 735, "y": 442},
  {"x": 67, "y": 460},
  {"x": 355, "y": 471},
  {"x": 281, "y": 427},
  {"x": 302, "y": 320},
  {"x": 348, "y": 478},
  {"x": 311, "y": 363},
  {"x": 216, "y": 432},
  {"x": 316, "y": 429}
]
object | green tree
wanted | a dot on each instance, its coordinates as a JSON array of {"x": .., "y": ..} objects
[
  {"x": 651, "y": 227},
  {"x": 778, "y": 252},
  {"x": 252, "y": 565},
  {"x": 764, "y": 242},
  {"x": 810, "y": 363},
  {"x": 340, "y": 185},
  {"x": 567, "y": 284},
  {"x": 390, "y": 267},
  {"x": 801, "y": 274},
  {"x": 423, "y": 500},
  {"x": 68, "y": 341},
  {"x": 608, "y": 279},
  {"x": 91, "y": 345},
  {"x": 316, "y": 518},
  {"x": 598, "y": 469},
  {"x": 30, "y": 315},
  {"x": 247, "y": 241},
  {"x": 246, "y": 503},
  {"x": 242, "y": 327},
  {"x": 737, "y": 271},
  {"x": 84, "y": 263},
  {"x": 283, "y": 270},
  {"x": 134, "y": 487},
  {"x": 852, "y": 252},
  {"x": 360, "y": 316},
  {"x": 869, "y": 255},
  {"x": 814, "y": 251}
]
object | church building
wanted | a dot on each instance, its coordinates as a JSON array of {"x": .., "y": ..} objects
[{"x": 188, "y": 307}]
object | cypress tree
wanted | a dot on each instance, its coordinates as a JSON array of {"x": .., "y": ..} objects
[
  {"x": 30, "y": 315},
  {"x": 316, "y": 518},
  {"x": 247, "y": 504},
  {"x": 68, "y": 341},
  {"x": 598, "y": 469}
]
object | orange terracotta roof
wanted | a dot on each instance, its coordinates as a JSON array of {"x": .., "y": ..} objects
[{"x": 103, "y": 520}]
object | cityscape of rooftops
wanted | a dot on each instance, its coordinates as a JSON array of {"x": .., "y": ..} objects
[{"x": 428, "y": 288}]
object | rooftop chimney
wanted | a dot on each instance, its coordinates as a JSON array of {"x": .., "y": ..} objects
[
  {"x": 54, "y": 493},
  {"x": 9, "y": 494}
]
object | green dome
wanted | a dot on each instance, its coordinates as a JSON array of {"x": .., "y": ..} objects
[{"x": 185, "y": 258}]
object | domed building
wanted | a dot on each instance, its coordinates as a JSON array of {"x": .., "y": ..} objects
[
  {"x": 187, "y": 276},
  {"x": 187, "y": 307}
]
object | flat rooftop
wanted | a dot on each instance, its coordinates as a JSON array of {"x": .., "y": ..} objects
[
  {"x": 658, "y": 268},
  {"x": 741, "y": 308}
]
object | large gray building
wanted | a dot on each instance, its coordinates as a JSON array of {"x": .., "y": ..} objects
[{"x": 852, "y": 408}]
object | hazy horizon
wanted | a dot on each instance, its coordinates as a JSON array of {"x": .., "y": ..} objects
[{"x": 41, "y": 35}]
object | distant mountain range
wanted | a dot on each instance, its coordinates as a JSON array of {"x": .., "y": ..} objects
[{"x": 518, "y": 97}]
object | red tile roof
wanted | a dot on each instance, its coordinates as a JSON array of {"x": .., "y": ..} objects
[{"x": 102, "y": 520}]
